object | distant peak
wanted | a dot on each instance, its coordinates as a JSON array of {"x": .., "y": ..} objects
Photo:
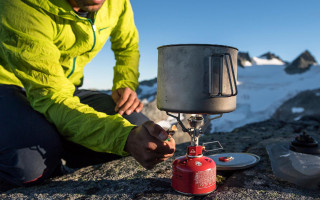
[
  {"x": 308, "y": 56},
  {"x": 244, "y": 59},
  {"x": 301, "y": 64},
  {"x": 270, "y": 56}
]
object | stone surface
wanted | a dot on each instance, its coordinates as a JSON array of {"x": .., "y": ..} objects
[
  {"x": 301, "y": 64},
  {"x": 126, "y": 179},
  {"x": 303, "y": 105}
]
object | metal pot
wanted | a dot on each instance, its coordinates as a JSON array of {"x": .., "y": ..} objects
[{"x": 197, "y": 78}]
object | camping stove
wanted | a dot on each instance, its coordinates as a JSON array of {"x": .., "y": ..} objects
[
  {"x": 194, "y": 173},
  {"x": 196, "y": 78}
]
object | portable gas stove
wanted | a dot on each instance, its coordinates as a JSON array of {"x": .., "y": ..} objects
[{"x": 194, "y": 173}]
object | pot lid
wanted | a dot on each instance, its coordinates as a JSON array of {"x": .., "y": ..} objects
[
  {"x": 304, "y": 140},
  {"x": 234, "y": 161},
  {"x": 212, "y": 45}
]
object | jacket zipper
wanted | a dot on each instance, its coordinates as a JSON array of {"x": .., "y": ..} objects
[
  {"x": 73, "y": 66},
  {"x": 94, "y": 28}
]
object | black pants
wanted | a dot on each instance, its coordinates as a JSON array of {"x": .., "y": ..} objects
[{"x": 31, "y": 148}]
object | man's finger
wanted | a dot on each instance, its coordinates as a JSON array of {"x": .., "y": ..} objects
[
  {"x": 133, "y": 107},
  {"x": 125, "y": 107},
  {"x": 139, "y": 107},
  {"x": 159, "y": 147},
  {"x": 164, "y": 156},
  {"x": 164, "y": 148},
  {"x": 125, "y": 94}
]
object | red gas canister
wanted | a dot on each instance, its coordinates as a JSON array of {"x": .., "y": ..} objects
[{"x": 194, "y": 173}]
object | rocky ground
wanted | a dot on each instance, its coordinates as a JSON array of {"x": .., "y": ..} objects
[{"x": 125, "y": 179}]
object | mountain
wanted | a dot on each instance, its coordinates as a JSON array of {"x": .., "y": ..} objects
[
  {"x": 269, "y": 56},
  {"x": 244, "y": 59},
  {"x": 268, "y": 59},
  {"x": 301, "y": 64}
]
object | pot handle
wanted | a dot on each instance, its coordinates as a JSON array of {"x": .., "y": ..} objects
[{"x": 231, "y": 76}]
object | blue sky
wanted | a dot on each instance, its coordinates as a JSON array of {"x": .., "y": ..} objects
[{"x": 284, "y": 27}]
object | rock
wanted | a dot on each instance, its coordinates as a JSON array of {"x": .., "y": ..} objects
[
  {"x": 305, "y": 104},
  {"x": 301, "y": 64},
  {"x": 244, "y": 59},
  {"x": 153, "y": 113}
]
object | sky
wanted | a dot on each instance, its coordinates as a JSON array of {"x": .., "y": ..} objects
[{"x": 284, "y": 27}]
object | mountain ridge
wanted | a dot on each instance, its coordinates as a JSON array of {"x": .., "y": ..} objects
[{"x": 300, "y": 64}]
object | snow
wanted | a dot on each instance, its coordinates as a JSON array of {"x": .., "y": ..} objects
[
  {"x": 247, "y": 64},
  {"x": 297, "y": 110},
  {"x": 297, "y": 118},
  {"x": 262, "y": 90},
  {"x": 264, "y": 61},
  {"x": 144, "y": 101}
]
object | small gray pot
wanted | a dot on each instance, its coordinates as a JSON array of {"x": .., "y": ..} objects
[{"x": 197, "y": 78}]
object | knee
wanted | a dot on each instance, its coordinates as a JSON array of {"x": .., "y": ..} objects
[
  {"x": 30, "y": 165},
  {"x": 136, "y": 118}
]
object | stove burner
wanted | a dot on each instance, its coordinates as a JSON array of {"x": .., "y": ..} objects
[
  {"x": 196, "y": 121},
  {"x": 197, "y": 126}
]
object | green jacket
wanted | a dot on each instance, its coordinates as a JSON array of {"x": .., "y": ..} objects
[{"x": 44, "y": 46}]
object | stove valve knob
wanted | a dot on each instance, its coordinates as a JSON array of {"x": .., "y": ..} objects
[{"x": 226, "y": 158}]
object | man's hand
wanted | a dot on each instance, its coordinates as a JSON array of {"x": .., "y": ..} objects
[
  {"x": 126, "y": 101},
  {"x": 148, "y": 145}
]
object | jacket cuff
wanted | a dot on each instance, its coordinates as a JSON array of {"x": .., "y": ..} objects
[
  {"x": 120, "y": 142},
  {"x": 124, "y": 84}
]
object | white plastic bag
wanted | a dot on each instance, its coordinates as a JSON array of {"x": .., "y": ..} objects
[{"x": 298, "y": 168}]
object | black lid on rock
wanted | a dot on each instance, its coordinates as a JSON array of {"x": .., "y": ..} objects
[{"x": 304, "y": 143}]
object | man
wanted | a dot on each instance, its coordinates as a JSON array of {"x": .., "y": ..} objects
[{"x": 44, "y": 46}]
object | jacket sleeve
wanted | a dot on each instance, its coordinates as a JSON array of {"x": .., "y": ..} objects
[
  {"x": 124, "y": 43},
  {"x": 27, "y": 50}
]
